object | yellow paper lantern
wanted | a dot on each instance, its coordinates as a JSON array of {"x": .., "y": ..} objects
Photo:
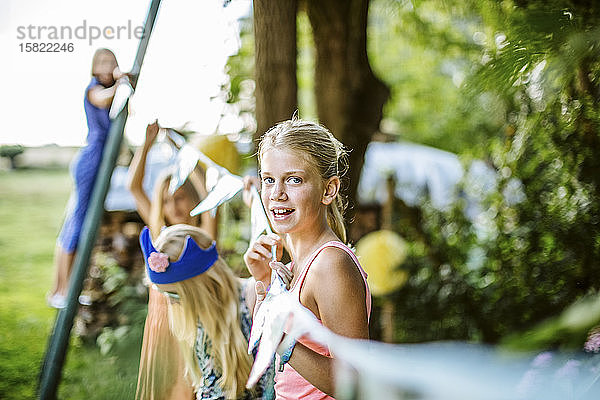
[
  {"x": 221, "y": 150},
  {"x": 381, "y": 253}
]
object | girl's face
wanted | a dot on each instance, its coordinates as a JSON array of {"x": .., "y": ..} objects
[
  {"x": 104, "y": 65},
  {"x": 177, "y": 207},
  {"x": 292, "y": 192}
]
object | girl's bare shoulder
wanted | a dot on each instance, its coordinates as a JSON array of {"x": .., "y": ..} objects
[
  {"x": 336, "y": 290},
  {"x": 333, "y": 263}
]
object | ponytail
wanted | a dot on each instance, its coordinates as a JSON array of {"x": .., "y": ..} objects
[{"x": 335, "y": 218}]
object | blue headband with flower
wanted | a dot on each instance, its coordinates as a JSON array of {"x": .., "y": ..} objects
[{"x": 193, "y": 261}]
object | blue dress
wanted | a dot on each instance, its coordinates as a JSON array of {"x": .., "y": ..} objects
[{"x": 84, "y": 169}]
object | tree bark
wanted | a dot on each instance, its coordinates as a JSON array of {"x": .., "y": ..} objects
[
  {"x": 275, "y": 58},
  {"x": 350, "y": 97}
]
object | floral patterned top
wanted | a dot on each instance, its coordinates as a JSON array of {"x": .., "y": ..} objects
[{"x": 211, "y": 390}]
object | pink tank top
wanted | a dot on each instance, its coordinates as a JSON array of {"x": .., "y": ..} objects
[{"x": 289, "y": 384}]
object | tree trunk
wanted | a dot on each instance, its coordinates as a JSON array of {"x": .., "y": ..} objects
[
  {"x": 275, "y": 60},
  {"x": 349, "y": 97}
]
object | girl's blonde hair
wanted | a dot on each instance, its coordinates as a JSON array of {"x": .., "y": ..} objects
[
  {"x": 157, "y": 215},
  {"x": 321, "y": 149},
  {"x": 211, "y": 299}
]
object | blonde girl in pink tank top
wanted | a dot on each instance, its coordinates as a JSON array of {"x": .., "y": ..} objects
[{"x": 301, "y": 164}]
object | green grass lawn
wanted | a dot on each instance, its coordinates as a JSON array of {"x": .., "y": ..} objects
[{"x": 32, "y": 203}]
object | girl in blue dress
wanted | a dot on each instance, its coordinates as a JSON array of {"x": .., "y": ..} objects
[{"x": 97, "y": 101}]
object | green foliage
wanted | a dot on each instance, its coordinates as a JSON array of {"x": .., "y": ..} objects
[
  {"x": 234, "y": 234},
  {"x": 307, "y": 105},
  {"x": 240, "y": 66},
  {"x": 515, "y": 84},
  {"x": 114, "y": 277},
  {"x": 528, "y": 104},
  {"x": 567, "y": 330},
  {"x": 239, "y": 91},
  {"x": 31, "y": 205},
  {"x": 111, "y": 337},
  {"x": 119, "y": 302},
  {"x": 31, "y": 210},
  {"x": 89, "y": 374},
  {"x": 424, "y": 54},
  {"x": 11, "y": 152}
]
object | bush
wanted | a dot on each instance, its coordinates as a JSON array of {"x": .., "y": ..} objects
[{"x": 11, "y": 152}]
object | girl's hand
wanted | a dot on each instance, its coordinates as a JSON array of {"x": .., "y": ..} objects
[
  {"x": 152, "y": 132},
  {"x": 284, "y": 273},
  {"x": 261, "y": 293},
  {"x": 258, "y": 256},
  {"x": 117, "y": 74},
  {"x": 260, "y": 289}
]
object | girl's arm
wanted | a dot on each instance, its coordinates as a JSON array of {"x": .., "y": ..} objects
[
  {"x": 334, "y": 291},
  {"x": 137, "y": 171},
  {"x": 102, "y": 97}
]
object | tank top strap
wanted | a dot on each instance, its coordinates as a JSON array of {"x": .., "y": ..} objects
[
  {"x": 333, "y": 243},
  {"x": 300, "y": 281}
]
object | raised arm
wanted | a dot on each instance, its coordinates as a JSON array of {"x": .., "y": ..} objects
[
  {"x": 334, "y": 291},
  {"x": 137, "y": 171},
  {"x": 101, "y": 96}
]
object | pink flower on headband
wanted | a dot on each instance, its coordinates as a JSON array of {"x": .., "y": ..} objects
[{"x": 158, "y": 262}]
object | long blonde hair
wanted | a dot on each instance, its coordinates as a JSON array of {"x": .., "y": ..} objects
[
  {"x": 321, "y": 149},
  {"x": 211, "y": 299},
  {"x": 157, "y": 216}
]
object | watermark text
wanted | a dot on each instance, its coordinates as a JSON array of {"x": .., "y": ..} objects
[{"x": 84, "y": 31}]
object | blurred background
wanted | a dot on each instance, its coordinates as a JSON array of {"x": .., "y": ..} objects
[{"x": 474, "y": 179}]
